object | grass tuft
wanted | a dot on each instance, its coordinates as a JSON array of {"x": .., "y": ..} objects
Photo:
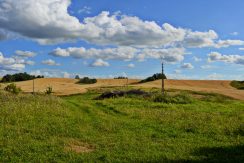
[{"x": 182, "y": 98}]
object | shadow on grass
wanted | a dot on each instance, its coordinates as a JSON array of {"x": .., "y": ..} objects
[{"x": 217, "y": 154}]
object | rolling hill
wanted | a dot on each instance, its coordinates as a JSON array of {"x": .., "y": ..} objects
[{"x": 62, "y": 86}]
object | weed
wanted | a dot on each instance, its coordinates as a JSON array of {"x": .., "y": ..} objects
[
  {"x": 12, "y": 88},
  {"x": 181, "y": 98},
  {"x": 49, "y": 90}
]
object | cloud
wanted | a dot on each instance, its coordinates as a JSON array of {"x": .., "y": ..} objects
[
  {"x": 236, "y": 59},
  {"x": 234, "y": 33},
  {"x": 227, "y": 43},
  {"x": 51, "y": 23},
  {"x": 130, "y": 31},
  {"x": 11, "y": 64},
  {"x": 131, "y": 65},
  {"x": 41, "y": 20},
  {"x": 177, "y": 71},
  {"x": 52, "y": 73},
  {"x": 31, "y": 63},
  {"x": 170, "y": 55},
  {"x": 207, "y": 67},
  {"x": 200, "y": 39},
  {"x": 120, "y": 53},
  {"x": 241, "y": 49},
  {"x": 196, "y": 59},
  {"x": 85, "y": 9},
  {"x": 3, "y": 34},
  {"x": 50, "y": 62},
  {"x": 25, "y": 53},
  {"x": 100, "y": 63},
  {"x": 215, "y": 76},
  {"x": 187, "y": 66}
]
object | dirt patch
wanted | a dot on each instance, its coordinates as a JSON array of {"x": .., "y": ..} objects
[{"x": 78, "y": 147}]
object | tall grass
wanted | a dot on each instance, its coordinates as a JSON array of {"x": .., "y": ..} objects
[{"x": 128, "y": 129}]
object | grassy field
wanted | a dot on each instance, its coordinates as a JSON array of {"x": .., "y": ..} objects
[{"x": 127, "y": 129}]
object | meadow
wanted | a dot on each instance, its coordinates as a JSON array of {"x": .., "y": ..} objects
[{"x": 42, "y": 128}]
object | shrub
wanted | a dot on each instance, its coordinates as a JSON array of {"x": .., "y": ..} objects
[
  {"x": 49, "y": 90},
  {"x": 237, "y": 84},
  {"x": 181, "y": 98},
  {"x": 87, "y": 80},
  {"x": 19, "y": 77},
  {"x": 12, "y": 88},
  {"x": 154, "y": 77},
  {"x": 121, "y": 77},
  {"x": 77, "y": 77}
]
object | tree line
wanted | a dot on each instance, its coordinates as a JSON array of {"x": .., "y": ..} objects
[{"x": 19, "y": 77}]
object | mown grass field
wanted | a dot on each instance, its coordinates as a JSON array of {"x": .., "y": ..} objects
[{"x": 127, "y": 129}]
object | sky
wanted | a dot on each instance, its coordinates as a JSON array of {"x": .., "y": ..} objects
[{"x": 195, "y": 39}]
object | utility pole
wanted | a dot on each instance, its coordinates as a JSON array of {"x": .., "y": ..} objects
[
  {"x": 33, "y": 86},
  {"x": 163, "y": 85}
]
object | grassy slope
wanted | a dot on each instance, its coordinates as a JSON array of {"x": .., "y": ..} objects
[{"x": 38, "y": 129}]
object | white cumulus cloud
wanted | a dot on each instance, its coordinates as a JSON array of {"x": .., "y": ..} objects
[
  {"x": 50, "y": 62},
  {"x": 131, "y": 65},
  {"x": 170, "y": 55},
  {"x": 48, "y": 21},
  {"x": 100, "y": 63},
  {"x": 11, "y": 64},
  {"x": 187, "y": 66},
  {"x": 25, "y": 53},
  {"x": 215, "y": 56}
]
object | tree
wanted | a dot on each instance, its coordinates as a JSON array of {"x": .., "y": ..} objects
[
  {"x": 154, "y": 77},
  {"x": 87, "y": 80},
  {"x": 19, "y": 77},
  {"x": 77, "y": 77}
]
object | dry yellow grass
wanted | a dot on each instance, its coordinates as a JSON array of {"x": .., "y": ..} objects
[
  {"x": 63, "y": 86},
  {"x": 211, "y": 86}
]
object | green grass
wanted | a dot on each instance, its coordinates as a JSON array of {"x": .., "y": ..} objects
[
  {"x": 127, "y": 129},
  {"x": 237, "y": 84}
]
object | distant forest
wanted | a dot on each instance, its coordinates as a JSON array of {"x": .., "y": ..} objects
[{"x": 19, "y": 77}]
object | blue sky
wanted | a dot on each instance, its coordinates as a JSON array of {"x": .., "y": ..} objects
[{"x": 62, "y": 38}]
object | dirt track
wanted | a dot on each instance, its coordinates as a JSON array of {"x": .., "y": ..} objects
[{"x": 68, "y": 86}]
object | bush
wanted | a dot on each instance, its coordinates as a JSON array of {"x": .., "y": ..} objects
[
  {"x": 77, "y": 77},
  {"x": 154, "y": 77},
  {"x": 121, "y": 77},
  {"x": 237, "y": 84},
  {"x": 19, "y": 77},
  {"x": 181, "y": 98},
  {"x": 12, "y": 88},
  {"x": 87, "y": 80},
  {"x": 49, "y": 90}
]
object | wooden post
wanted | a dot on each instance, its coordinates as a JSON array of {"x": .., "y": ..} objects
[
  {"x": 33, "y": 86},
  {"x": 163, "y": 85}
]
